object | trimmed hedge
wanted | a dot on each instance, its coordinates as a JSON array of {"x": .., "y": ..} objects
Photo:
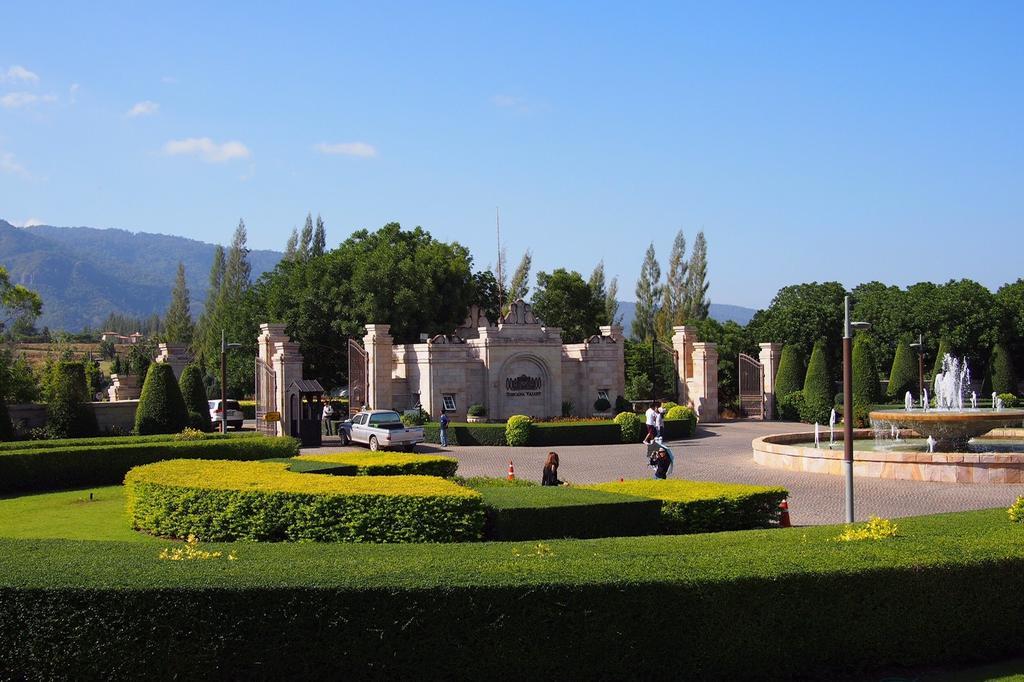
[
  {"x": 112, "y": 440},
  {"x": 633, "y": 428},
  {"x": 77, "y": 466},
  {"x": 704, "y": 507},
  {"x": 538, "y": 512},
  {"x": 193, "y": 391},
  {"x": 111, "y": 609},
  {"x": 1003, "y": 379},
  {"x": 903, "y": 375},
  {"x": 517, "y": 430},
  {"x": 67, "y": 413},
  {"x": 568, "y": 433},
  {"x": 6, "y": 429},
  {"x": 387, "y": 463},
  {"x": 217, "y": 500},
  {"x": 466, "y": 434},
  {"x": 817, "y": 387},
  {"x": 789, "y": 377},
  {"x": 161, "y": 407}
]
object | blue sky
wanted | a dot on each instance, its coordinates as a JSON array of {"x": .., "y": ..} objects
[{"x": 781, "y": 129}]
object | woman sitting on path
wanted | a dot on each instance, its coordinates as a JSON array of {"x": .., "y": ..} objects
[{"x": 550, "y": 476}]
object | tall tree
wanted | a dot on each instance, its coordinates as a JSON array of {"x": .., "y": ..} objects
[
  {"x": 292, "y": 247},
  {"x": 563, "y": 299},
  {"x": 648, "y": 290},
  {"x": 237, "y": 270},
  {"x": 306, "y": 239},
  {"x": 599, "y": 292},
  {"x": 611, "y": 302},
  {"x": 178, "y": 327},
  {"x": 697, "y": 304},
  {"x": 19, "y": 307},
  {"x": 519, "y": 286},
  {"x": 675, "y": 304},
  {"x": 319, "y": 243},
  {"x": 207, "y": 326}
]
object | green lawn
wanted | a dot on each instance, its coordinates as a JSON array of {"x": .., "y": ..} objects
[{"x": 69, "y": 515}]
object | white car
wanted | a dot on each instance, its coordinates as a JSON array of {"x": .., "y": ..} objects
[
  {"x": 235, "y": 416},
  {"x": 380, "y": 430}
]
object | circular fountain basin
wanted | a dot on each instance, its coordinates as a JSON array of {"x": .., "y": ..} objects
[
  {"x": 952, "y": 430},
  {"x": 796, "y": 452}
]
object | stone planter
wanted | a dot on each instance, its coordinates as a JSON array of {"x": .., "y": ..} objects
[{"x": 476, "y": 420}]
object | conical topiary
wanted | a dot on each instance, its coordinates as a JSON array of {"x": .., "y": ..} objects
[
  {"x": 903, "y": 376},
  {"x": 943, "y": 352},
  {"x": 817, "y": 387},
  {"x": 866, "y": 389},
  {"x": 1001, "y": 371},
  {"x": 161, "y": 407},
  {"x": 193, "y": 391},
  {"x": 68, "y": 414},
  {"x": 789, "y": 377}
]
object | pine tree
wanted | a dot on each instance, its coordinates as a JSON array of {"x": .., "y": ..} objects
[
  {"x": 178, "y": 327},
  {"x": 319, "y": 244},
  {"x": 207, "y": 321},
  {"x": 611, "y": 302},
  {"x": 291, "y": 248},
  {"x": 648, "y": 290},
  {"x": 789, "y": 377},
  {"x": 597, "y": 289},
  {"x": 306, "y": 239},
  {"x": 903, "y": 375},
  {"x": 817, "y": 387},
  {"x": 675, "y": 301},
  {"x": 237, "y": 271},
  {"x": 519, "y": 287},
  {"x": 696, "y": 280}
]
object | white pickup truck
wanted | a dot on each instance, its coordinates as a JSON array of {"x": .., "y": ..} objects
[{"x": 380, "y": 430}]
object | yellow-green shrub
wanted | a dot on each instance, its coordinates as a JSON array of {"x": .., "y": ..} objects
[
  {"x": 517, "y": 430},
  {"x": 219, "y": 500},
  {"x": 389, "y": 463},
  {"x": 703, "y": 506},
  {"x": 632, "y": 426}
]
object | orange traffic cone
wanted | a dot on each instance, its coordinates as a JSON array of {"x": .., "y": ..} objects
[
  {"x": 621, "y": 479},
  {"x": 784, "y": 515},
  {"x": 511, "y": 471}
]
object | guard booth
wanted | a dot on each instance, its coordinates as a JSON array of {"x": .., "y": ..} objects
[{"x": 306, "y": 408}]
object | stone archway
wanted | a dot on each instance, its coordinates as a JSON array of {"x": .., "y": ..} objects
[{"x": 525, "y": 386}]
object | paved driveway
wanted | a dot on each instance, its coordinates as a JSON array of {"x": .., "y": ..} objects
[{"x": 721, "y": 452}]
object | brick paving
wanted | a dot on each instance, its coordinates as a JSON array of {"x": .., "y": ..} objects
[{"x": 721, "y": 452}]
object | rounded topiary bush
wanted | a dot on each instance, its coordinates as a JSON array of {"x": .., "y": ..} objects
[
  {"x": 682, "y": 412},
  {"x": 817, "y": 387},
  {"x": 1009, "y": 399},
  {"x": 602, "y": 405},
  {"x": 193, "y": 392},
  {"x": 517, "y": 430},
  {"x": 622, "y": 405},
  {"x": 477, "y": 410},
  {"x": 790, "y": 406},
  {"x": 632, "y": 426},
  {"x": 161, "y": 406},
  {"x": 789, "y": 377},
  {"x": 903, "y": 376},
  {"x": 67, "y": 413}
]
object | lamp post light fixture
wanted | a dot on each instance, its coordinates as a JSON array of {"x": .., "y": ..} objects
[
  {"x": 919, "y": 345},
  {"x": 848, "y": 329},
  {"x": 224, "y": 348}
]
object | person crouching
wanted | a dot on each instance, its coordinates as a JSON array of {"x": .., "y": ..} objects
[{"x": 550, "y": 476}]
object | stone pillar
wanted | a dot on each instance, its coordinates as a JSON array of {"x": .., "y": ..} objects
[
  {"x": 614, "y": 331},
  {"x": 379, "y": 360},
  {"x": 769, "y": 357},
  {"x": 176, "y": 355},
  {"x": 703, "y": 385},
  {"x": 287, "y": 364},
  {"x": 270, "y": 334},
  {"x": 683, "y": 338},
  {"x": 124, "y": 387}
]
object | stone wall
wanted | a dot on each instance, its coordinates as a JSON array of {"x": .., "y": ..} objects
[{"x": 119, "y": 415}]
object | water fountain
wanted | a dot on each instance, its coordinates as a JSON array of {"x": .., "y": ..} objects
[{"x": 949, "y": 424}]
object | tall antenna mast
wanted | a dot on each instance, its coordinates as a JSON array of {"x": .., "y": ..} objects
[{"x": 501, "y": 275}]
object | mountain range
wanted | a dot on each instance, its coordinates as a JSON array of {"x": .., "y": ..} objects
[{"x": 83, "y": 273}]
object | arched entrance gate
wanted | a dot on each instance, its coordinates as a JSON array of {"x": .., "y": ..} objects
[{"x": 751, "y": 380}]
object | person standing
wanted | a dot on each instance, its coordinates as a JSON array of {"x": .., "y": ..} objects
[
  {"x": 659, "y": 423},
  {"x": 651, "y": 418},
  {"x": 328, "y": 417},
  {"x": 443, "y": 421},
  {"x": 550, "y": 475}
]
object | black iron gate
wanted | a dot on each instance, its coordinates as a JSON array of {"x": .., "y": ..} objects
[
  {"x": 357, "y": 376},
  {"x": 751, "y": 376}
]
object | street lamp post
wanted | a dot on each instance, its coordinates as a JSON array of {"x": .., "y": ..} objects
[
  {"x": 848, "y": 328},
  {"x": 224, "y": 347},
  {"x": 919, "y": 345}
]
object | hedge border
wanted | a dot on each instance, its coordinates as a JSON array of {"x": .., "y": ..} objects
[{"x": 545, "y": 434}]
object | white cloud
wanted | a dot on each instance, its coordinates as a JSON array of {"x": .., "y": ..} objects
[
  {"x": 143, "y": 108},
  {"x": 18, "y": 74},
  {"x": 13, "y": 100},
  {"x": 32, "y": 222},
  {"x": 207, "y": 150},
  {"x": 360, "y": 149},
  {"x": 9, "y": 164}
]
